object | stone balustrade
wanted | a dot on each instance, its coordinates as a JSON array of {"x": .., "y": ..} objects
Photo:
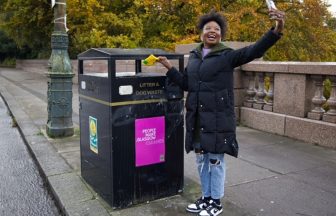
[
  {"x": 298, "y": 92},
  {"x": 294, "y": 95},
  {"x": 330, "y": 116}
]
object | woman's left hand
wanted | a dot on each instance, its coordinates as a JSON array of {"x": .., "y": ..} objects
[{"x": 279, "y": 17}]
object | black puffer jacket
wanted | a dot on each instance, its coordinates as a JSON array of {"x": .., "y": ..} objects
[{"x": 209, "y": 83}]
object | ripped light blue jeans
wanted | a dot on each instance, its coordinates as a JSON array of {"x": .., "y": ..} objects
[{"x": 211, "y": 169}]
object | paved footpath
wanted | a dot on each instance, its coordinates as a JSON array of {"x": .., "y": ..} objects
[{"x": 273, "y": 175}]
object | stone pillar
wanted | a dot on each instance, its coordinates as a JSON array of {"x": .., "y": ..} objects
[
  {"x": 269, "y": 104},
  {"x": 60, "y": 75},
  {"x": 259, "y": 104},
  {"x": 318, "y": 99},
  {"x": 330, "y": 116},
  {"x": 250, "y": 92}
]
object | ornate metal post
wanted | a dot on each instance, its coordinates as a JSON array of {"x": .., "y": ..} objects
[
  {"x": 330, "y": 116},
  {"x": 60, "y": 77}
]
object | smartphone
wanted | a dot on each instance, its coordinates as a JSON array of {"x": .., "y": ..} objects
[{"x": 270, "y": 4}]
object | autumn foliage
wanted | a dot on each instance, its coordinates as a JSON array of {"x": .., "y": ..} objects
[{"x": 309, "y": 32}]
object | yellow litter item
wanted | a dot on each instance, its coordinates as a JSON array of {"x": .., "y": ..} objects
[{"x": 150, "y": 60}]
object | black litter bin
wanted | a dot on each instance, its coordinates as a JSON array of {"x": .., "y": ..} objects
[{"x": 131, "y": 126}]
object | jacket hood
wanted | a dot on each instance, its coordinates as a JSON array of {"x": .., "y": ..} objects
[{"x": 218, "y": 48}]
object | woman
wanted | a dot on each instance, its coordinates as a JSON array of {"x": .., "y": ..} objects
[{"x": 210, "y": 118}]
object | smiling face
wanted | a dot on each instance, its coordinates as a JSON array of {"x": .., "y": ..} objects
[{"x": 211, "y": 34}]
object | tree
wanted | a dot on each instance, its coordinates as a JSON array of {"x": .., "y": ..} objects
[
  {"x": 332, "y": 23},
  {"x": 309, "y": 33},
  {"x": 7, "y": 47},
  {"x": 28, "y": 22},
  {"x": 94, "y": 23},
  {"x": 307, "y": 36},
  {"x": 168, "y": 22}
]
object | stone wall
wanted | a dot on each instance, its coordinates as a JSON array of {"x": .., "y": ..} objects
[
  {"x": 90, "y": 66},
  {"x": 41, "y": 66}
]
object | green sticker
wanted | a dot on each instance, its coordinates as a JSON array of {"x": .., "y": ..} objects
[{"x": 93, "y": 134}]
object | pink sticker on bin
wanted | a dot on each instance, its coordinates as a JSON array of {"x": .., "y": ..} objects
[{"x": 149, "y": 141}]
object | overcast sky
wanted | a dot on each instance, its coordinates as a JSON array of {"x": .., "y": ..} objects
[{"x": 332, "y": 8}]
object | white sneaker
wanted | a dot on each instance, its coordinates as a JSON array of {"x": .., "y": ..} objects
[
  {"x": 198, "y": 205},
  {"x": 212, "y": 210}
]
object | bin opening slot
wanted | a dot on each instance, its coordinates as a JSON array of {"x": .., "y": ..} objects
[
  {"x": 130, "y": 68},
  {"x": 95, "y": 68}
]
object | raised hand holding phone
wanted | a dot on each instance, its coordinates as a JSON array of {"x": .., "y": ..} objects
[
  {"x": 275, "y": 14},
  {"x": 270, "y": 4}
]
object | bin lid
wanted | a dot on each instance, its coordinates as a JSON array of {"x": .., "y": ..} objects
[{"x": 124, "y": 53}]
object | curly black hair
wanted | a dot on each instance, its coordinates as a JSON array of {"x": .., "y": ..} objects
[{"x": 213, "y": 16}]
